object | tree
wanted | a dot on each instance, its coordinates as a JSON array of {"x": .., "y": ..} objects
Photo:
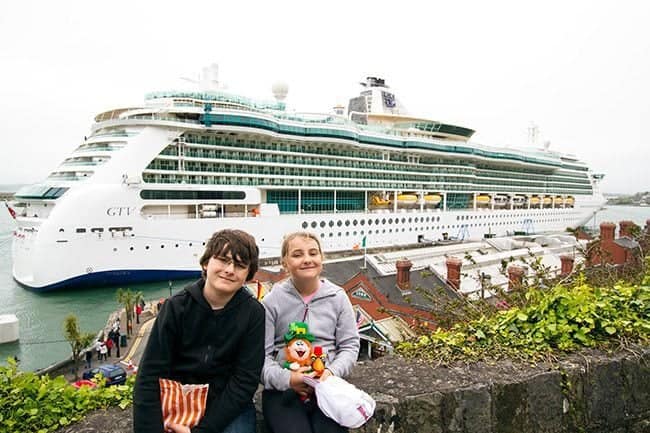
[
  {"x": 138, "y": 299},
  {"x": 128, "y": 298},
  {"x": 78, "y": 340}
]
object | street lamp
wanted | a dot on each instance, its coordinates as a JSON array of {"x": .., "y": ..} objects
[{"x": 170, "y": 288}]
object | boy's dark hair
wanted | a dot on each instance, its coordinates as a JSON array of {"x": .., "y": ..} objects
[{"x": 238, "y": 243}]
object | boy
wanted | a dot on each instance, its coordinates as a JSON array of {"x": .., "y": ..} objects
[{"x": 212, "y": 333}]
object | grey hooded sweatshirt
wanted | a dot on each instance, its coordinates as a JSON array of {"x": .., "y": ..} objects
[{"x": 331, "y": 321}]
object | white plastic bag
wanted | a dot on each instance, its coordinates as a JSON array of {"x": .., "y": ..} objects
[{"x": 342, "y": 402}]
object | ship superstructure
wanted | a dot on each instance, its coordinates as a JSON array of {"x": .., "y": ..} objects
[{"x": 138, "y": 198}]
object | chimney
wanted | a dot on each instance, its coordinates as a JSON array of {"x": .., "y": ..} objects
[
  {"x": 404, "y": 274},
  {"x": 566, "y": 265},
  {"x": 626, "y": 228},
  {"x": 453, "y": 272},
  {"x": 607, "y": 230},
  {"x": 515, "y": 277}
]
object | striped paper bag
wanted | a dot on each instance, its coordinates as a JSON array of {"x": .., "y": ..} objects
[{"x": 182, "y": 404}]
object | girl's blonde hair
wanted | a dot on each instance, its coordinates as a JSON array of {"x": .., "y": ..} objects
[{"x": 291, "y": 236}]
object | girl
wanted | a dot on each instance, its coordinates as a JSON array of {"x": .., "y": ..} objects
[{"x": 325, "y": 307}]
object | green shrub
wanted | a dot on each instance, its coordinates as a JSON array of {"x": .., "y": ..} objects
[
  {"x": 32, "y": 403},
  {"x": 561, "y": 319}
]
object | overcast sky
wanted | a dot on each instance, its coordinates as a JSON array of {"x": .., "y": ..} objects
[{"x": 580, "y": 70}]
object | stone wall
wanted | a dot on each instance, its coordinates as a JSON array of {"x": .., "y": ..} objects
[{"x": 591, "y": 392}]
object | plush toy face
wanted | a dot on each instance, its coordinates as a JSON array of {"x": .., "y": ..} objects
[{"x": 299, "y": 350}]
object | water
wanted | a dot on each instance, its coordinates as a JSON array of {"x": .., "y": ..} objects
[{"x": 41, "y": 314}]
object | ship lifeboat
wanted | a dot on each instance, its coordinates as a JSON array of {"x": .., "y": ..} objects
[
  {"x": 501, "y": 200},
  {"x": 407, "y": 199},
  {"x": 569, "y": 201},
  {"x": 483, "y": 199},
  {"x": 519, "y": 200},
  {"x": 377, "y": 200},
  {"x": 534, "y": 200},
  {"x": 547, "y": 200},
  {"x": 558, "y": 200},
  {"x": 432, "y": 199}
]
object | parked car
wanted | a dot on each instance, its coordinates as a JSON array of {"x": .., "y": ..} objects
[{"x": 114, "y": 374}]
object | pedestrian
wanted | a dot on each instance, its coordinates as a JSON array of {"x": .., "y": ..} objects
[
  {"x": 103, "y": 350},
  {"x": 211, "y": 332},
  {"x": 138, "y": 311},
  {"x": 98, "y": 349},
  {"x": 326, "y": 309},
  {"x": 116, "y": 341},
  {"x": 89, "y": 358},
  {"x": 109, "y": 345}
]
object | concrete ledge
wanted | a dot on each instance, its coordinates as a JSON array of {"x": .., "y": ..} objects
[{"x": 592, "y": 392}]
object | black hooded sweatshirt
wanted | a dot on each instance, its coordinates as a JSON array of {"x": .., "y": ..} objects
[{"x": 193, "y": 344}]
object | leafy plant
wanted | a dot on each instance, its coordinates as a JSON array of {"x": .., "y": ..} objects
[
  {"x": 39, "y": 404},
  {"x": 128, "y": 299},
  {"x": 78, "y": 340},
  {"x": 562, "y": 319}
]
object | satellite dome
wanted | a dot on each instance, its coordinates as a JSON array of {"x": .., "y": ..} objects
[{"x": 280, "y": 90}]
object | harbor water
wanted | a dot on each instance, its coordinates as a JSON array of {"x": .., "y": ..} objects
[{"x": 41, "y": 315}]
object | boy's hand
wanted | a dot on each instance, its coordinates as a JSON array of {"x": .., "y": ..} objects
[{"x": 176, "y": 428}]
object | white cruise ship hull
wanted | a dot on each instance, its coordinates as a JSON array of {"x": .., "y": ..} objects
[{"x": 165, "y": 248}]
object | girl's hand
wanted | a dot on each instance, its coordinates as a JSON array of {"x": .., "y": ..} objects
[
  {"x": 176, "y": 428},
  {"x": 297, "y": 383},
  {"x": 326, "y": 373}
]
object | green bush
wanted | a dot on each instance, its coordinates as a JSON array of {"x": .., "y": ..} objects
[
  {"x": 32, "y": 403},
  {"x": 561, "y": 319}
]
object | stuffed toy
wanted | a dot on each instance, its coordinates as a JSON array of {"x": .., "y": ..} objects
[
  {"x": 298, "y": 346},
  {"x": 318, "y": 360}
]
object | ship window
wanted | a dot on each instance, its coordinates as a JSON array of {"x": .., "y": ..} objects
[
  {"x": 305, "y": 225},
  {"x": 339, "y": 223},
  {"x": 313, "y": 224},
  {"x": 322, "y": 223},
  {"x": 152, "y": 194},
  {"x": 81, "y": 230},
  {"x": 96, "y": 230},
  {"x": 331, "y": 223}
]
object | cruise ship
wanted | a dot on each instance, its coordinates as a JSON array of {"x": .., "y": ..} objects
[{"x": 138, "y": 198}]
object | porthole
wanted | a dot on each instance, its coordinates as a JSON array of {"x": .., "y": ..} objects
[
  {"x": 313, "y": 224},
  {"x": 369, "y": 222},
  {"x": 354, "y": 223},
  {"x": 331, "y": 223},
  {"x": 339, "y": 223},
  {"x": 383, "y": 221},
  {"x": 162, "y": 246},
  {"x": 305, "y": 225},
  {"x": 131, "y": 248},
  {"x": 377, "y": 221},
  {"x": 147, "y": 247},
  {"x": 176, "y": 245},
  {"x": 347, "y": 223},
  {"x": 114, "y": 250},
  {"x": 362, "y": 222},
  {"x": 322, "y": 224}
]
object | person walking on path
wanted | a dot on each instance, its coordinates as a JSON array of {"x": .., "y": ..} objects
[
  {"x": 89, "y": 358},
  {"x": 109, "y": 345},
  {"x": 211, "y": 332},
  {"x": 326, "y": 308},
  {"x": 103, "y": 351}
]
